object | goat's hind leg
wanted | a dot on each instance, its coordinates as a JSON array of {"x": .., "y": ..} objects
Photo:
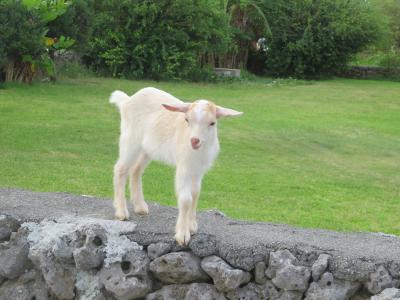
[
  {"x": 121, "y": 170},
  {"x": 139, "y": 205}
]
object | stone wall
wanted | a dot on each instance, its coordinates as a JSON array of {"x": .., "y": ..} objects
[
  {"x": 60, "y": 246},
  {"x": 366, "y": 72}
]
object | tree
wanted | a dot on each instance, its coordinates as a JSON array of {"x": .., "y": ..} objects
[
  {"x": 24, "y": 46},
  {"x": 249, "y": 24},
  {"x": 317, "y": 37}
]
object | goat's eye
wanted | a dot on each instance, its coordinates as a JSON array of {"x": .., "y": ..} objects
[
  {"x": 212, "y": 123},
  {"x": 187, "y": 121}
]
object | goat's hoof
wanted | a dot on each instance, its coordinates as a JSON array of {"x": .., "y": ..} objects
[
  {"x": 122, "y": 215},
  {"x": 142, "y": 209},
  {"x": 182, "y": 238},
  {"x": 193, "y": 227}
]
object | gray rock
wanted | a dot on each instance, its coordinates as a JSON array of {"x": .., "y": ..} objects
[
  {"x": 194, "y": 291},
  {"x": 128, "y": 279},
  {"x": 53, "y": 257},
  {"x": 224, "y": 276},
  {"x": 271, "y": 290},
  {"x": 243, "y": 257},
  {"x": 59, "y": 277},
  {"x": 379, "y": 280},
  {"x": 292, "y": 278},
  {"x": 157, "y": 249},
  {"x": 259, "y": 273},
  {"x": 277, "y": 260},
  {"x": 388, "y": 294},
  {"x": 351, "y": 269},
  {"x": 203, "y": 291},
  {"x": 332, "y": 289},
  {"x": 291, "y": 295},
  {"x": 360, "y": 297},
  {"x": 8, "y": 225},
  {"x": 203, "y": 245},
  {"x": 89, "y": 251},
  {"x": 320, "y": 266},
  {"x": 267, "y": 290},
  {"x": 14, "y": 257},
  {"x": 178, "y": 267},
  {"x": 250, "y": 291},
  {"x": 29, "y": 286},
  {"x": 394, "y": 270},
  {"x": 88, "y": 286}
]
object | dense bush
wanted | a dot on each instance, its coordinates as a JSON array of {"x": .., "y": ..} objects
[
  {"x": 21, "y": 39},
  {"x": 185, "y": 39},
  {"x": 75, "y": 23},
  {"x": 157, "y": 39},
  {"x": 316, "y": 37}
]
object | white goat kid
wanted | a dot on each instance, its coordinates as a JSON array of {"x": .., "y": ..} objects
[{"x": 157, "y": 126}]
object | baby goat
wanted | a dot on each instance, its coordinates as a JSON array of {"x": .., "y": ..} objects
[{"x": 157, "y": 126}]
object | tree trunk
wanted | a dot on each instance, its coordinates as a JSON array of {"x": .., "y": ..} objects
[{"x": 21, "y": 72}]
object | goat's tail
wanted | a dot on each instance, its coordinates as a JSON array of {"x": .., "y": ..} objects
[{"x": 119, "y": 98}]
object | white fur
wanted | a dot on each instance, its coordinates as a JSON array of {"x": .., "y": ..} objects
[{"x": 151, "y": 132}]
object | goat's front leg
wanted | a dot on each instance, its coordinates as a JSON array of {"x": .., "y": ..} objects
[
  {"x": 196, "y": 187},
  {"x": 184, "y": 195}
]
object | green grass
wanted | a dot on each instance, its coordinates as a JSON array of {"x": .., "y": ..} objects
[{"x": 313, "y": 154}]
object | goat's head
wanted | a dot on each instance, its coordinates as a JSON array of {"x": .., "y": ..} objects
[{"x": 201, "y": 117}]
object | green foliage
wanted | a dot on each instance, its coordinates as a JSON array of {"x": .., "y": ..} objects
[
  {"x": 24, "y": 46},
  {"x": 155, "y": 39},
  {"x": 317, "y": 37},
  {"x": 76, "y": 23},
  {"x": 21, "y": 34},
  {"x": 48, "y": 10},
  {"x": 391, "y": 12},
  {"x": 391, "y": 61}
]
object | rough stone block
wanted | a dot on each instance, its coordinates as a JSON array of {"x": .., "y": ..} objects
[
  {"x": 28, "y": 286},
  {"x": 277, "y": 260},
  {"x": 203, "y": 245},
  {"x": 194, "y": 291},
  {"x": 330, "y": 288},
  {"x": 259, "y": 273},
  {"x": 8, "y": 225},
  {"x": 178, "y": 267},
  {"x": 224, "y": 276},
  {"x": 292, "y": 278},
  {"x": 388, "y": 294},
  {"x": 380, "y": 280},
  {"x": 320, "y": 266},
  {"x": 89, "y": 251},
  {"x": 250, "y": 291},
  {"x": 158, "y": 249},
  {"x": 14, "y": 257},
  {"x": 128, "y": 279}
]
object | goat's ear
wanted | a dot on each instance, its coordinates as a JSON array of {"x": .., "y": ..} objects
[
  {"x": 223, "y": 112},
  {"x": 184, "y": 107}
]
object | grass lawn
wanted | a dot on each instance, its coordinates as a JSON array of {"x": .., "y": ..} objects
[{"x": 314, "y": 154}]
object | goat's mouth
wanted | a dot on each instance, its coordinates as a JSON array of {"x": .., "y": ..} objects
[{"x": 196, "y": 146}]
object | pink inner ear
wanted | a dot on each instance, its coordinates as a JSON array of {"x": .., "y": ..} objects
[
  {"x": 170, "y": 107},
  {"x": 177, "y": 108},
  {"x": 226, "y": 112}
]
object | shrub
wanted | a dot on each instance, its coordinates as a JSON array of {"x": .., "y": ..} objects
[
  {"x": 317, "y": 37},
  {"x": 21, "y": 39},
  {"x": 156, "y": 39},
  {"x": 75, "y": 23}
]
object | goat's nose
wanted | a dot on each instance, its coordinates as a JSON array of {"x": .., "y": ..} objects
[{"x": 195, "y": 142}]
